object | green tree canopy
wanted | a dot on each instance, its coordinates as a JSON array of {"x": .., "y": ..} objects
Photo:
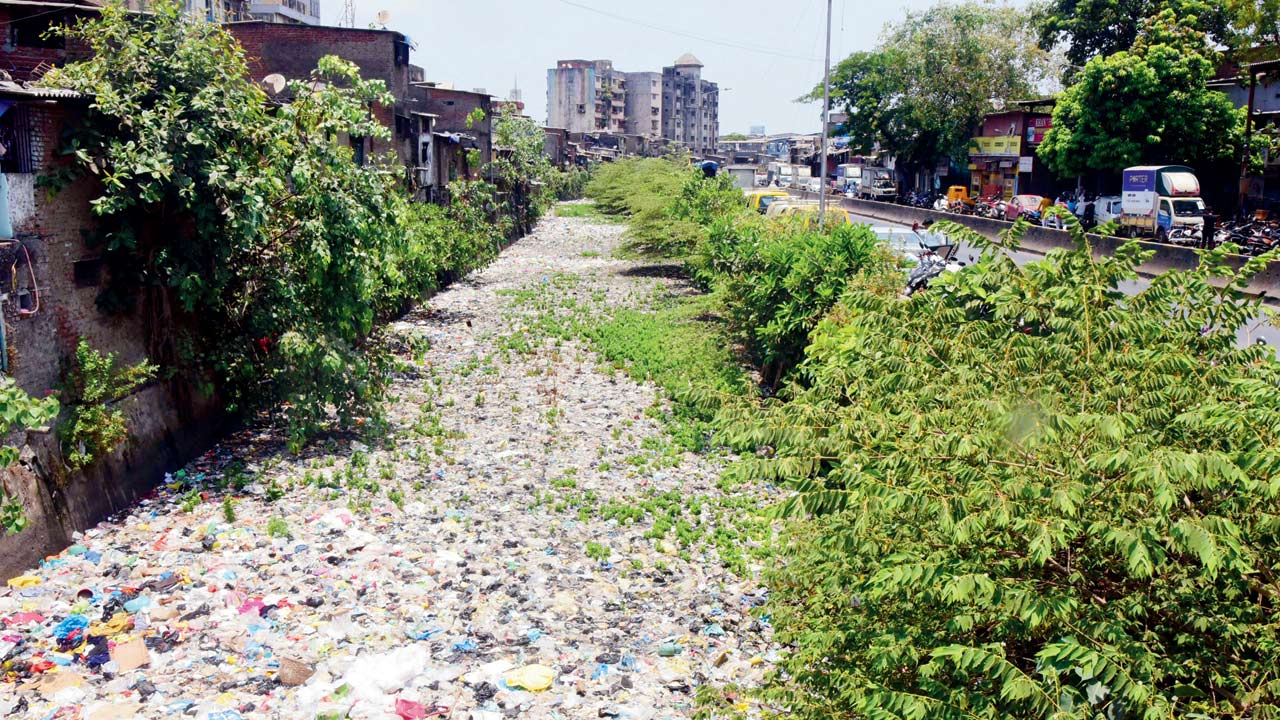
[
  {"x": 734, "y": 136},
  {"x": 1090, "y": 28},
  {"x": 1145, "y": 105},
  {"x": 1254, "y": 22},
  {"x": 921, "y": 92},
  {"x": 261, "y": 251}
]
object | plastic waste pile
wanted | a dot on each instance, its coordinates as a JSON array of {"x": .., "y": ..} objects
[{"x": 459, "y": 601}]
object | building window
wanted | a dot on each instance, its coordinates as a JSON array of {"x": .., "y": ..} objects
[
  {"x": 15, "y": 141},
  {"x": 87, "y": 273},
  {"x": 29, "y": 28},
  {"x": 404, "y": 126},
  {"x": 357, "y": 149}
]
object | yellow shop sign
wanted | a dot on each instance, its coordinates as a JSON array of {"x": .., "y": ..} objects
[{"x": 1010, "y": 145}]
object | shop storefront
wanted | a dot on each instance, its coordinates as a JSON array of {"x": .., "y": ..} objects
[{"x": 994, "y": 164}]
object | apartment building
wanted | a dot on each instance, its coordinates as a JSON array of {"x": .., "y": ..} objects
[
  {"x": 644, "y": 104},
  {"x": 303, "y": 12},
  {"x": 586, "y": 96},
  {"x": 591, "y": 96},
  {"x": 690, "y": 106}
]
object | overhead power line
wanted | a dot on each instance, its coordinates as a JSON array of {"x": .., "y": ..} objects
[{"x": 691, "y": 36}]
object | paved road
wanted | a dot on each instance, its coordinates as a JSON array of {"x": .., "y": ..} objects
[{"x": 1257, "y": 330}]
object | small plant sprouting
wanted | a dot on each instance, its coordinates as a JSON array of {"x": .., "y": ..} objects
[
  {"x": 278, "y": 528},
  {"x": 597, "y": 551},
  {"x": 190, "y": 501}
]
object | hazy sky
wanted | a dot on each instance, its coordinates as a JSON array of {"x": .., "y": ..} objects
[{"x": 763, "y": 53}]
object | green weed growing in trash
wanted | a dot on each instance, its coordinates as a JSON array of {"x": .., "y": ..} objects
[
  {"x": 190, "y": 501},
  {"x": 273, "y": 491},
  {"x": 228, "y": 509},
  {"x": 597, "y": 551},
  {"x": 236, "y": 477},
  {"x": 277, "y": 527}
]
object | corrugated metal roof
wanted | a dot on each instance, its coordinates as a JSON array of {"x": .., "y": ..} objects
[
  {"x": 83, "y": 5},
  {"x": 11, "y": 88}
]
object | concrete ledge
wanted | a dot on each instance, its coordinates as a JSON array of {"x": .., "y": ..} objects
[{"x": 166, "y": 432}]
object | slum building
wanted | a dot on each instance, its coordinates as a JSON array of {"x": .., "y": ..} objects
[{"x": 49, "y": 302}]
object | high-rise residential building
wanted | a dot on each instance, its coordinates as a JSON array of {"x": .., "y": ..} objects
[
  {"x": 644, "y": 103},
  {"x": 306, "y": 12},
  {"x": 690, "y": 106},
  {"x": 586, "y": 96},
  {"x": 589, "y": 96}
]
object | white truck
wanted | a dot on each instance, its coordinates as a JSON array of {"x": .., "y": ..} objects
[
  {"x": 848, "y": 177},
  {"x": 1161, "y": 201},
  {"x": 877, "y": 184}
]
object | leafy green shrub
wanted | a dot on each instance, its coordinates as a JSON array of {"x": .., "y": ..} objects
[
  {"x": 94, "y": 427},
  {"x": 647, "y": 191},
  {"x": 778, "y": 279},
  {"x": 680, "y": 347},
  {"x": 1022, "y": 494},
  {"x": 570, "y": 184},
  {"x": 18, "y": 410}
]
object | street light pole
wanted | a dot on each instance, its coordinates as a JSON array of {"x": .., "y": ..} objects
[{"x": 826, "y": 115}]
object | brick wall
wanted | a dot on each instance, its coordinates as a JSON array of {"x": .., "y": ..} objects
[
  {"x": 166, "y": 429},
  {"x": 294, "y": 51},
  {"x": 453, "y": 107}
]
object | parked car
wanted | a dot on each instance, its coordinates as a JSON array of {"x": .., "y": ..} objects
[
  {"x": 1028, "y": 206},
  {"x": 779, "y": 208}
]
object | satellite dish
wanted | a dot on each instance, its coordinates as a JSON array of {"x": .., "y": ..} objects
[
  {"x": 383, "y": 17},
  {"x": 274, "y": 83}
]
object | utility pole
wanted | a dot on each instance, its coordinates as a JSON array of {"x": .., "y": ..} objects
[
  {"x": 826, "y": 115},
  {"x": 348, "y": 14}
]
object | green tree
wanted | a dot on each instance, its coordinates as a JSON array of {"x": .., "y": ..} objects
[
  {"x": 262, "y": 251},
  {"x": 735, "y": 136},
  {"x": 521, "y": 166},
  {"x": 1145, "y": 105},
  {"x": 1254, "y": 22},
  {"x": 1092, "y": 28},
  {"x": 921, "y": 92}
]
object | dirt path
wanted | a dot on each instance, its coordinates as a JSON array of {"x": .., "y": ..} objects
[{"x": 496, "y": 528}]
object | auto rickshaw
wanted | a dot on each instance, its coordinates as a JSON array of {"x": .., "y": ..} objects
[{"x": 959, "y": 194}]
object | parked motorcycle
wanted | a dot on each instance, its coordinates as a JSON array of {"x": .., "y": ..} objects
[{"x": 932, "y": 262}]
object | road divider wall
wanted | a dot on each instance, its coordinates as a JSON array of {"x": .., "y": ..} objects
[{"x": 1040, "y": 240}]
